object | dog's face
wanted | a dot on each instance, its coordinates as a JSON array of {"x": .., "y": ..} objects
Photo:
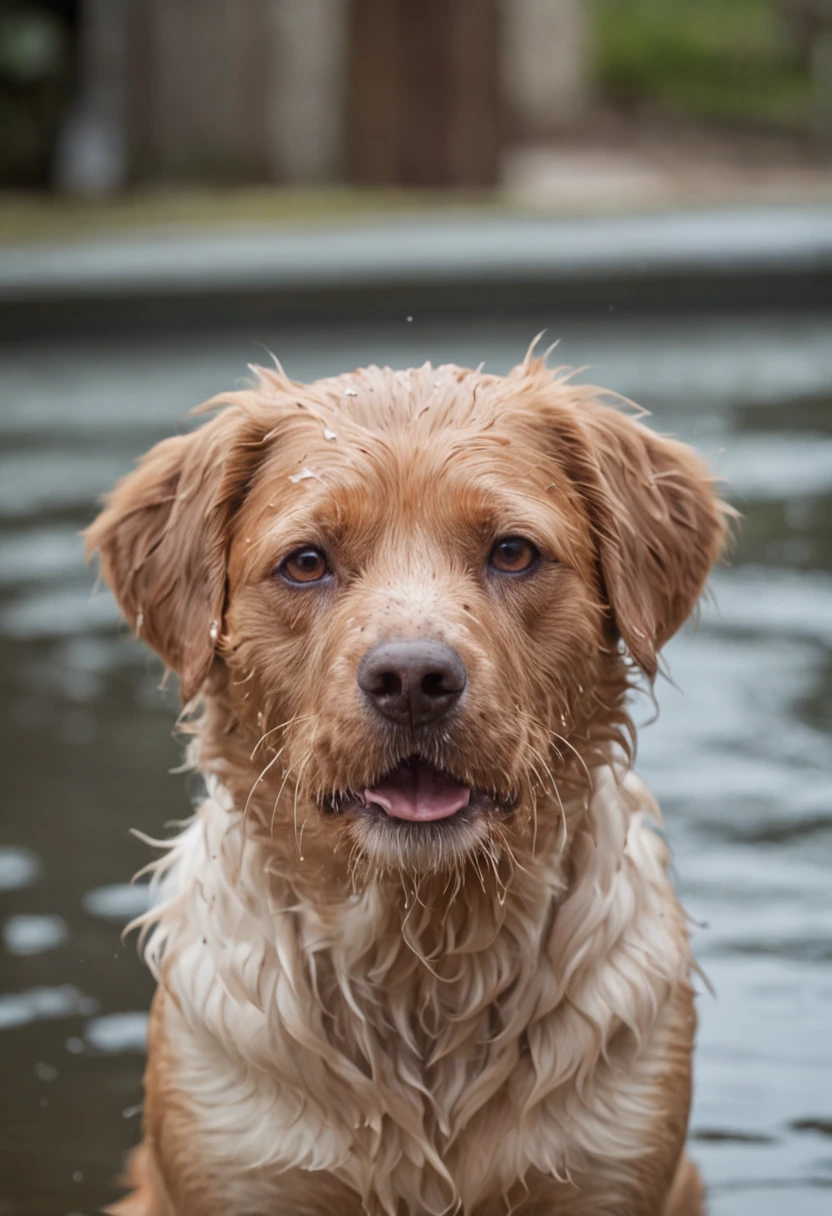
[{"x": 411, "y": 592}]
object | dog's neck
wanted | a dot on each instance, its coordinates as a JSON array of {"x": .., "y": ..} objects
[
  {"x": 452, "y": 913},
  {"x": 404, "y": 926}
]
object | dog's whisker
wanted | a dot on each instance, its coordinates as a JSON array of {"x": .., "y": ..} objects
[
  {"x": 263, "y": 773},
  {"x": 295, "y": 800},
  {"x": 286, "y": 776},
  {"x": 533, "y": 798},
  {"x": 556, "y": 792},
  {"x": 534, "y": 823},
  {"x": 573, "y": 749},
  {"x": 289, "y": 722}
]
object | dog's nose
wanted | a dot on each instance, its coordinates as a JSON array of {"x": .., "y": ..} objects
[{"x": 412, "y": 682}]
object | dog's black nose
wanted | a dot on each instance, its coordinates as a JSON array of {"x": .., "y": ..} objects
[{"x": 412, "y": 682}]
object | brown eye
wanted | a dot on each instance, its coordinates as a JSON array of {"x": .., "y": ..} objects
[
  {"x": 306, "y": 565},
  {"x": 514, "y": 555}
]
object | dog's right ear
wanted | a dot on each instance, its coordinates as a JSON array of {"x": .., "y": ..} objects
[{"x": 162, "y": 538}]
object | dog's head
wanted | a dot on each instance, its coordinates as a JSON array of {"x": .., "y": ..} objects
[{"x": 412, "y": 598}]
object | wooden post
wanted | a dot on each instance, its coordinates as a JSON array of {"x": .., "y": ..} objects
[
  {"x": 196, "y": 89},
  {"x": 92, "y": 153},
  {"x": 306, "y": 89},
  {"x": 544, "y": 64},
  {"x": 231, "y": 90},
  {"x": 423, "y": 92}
]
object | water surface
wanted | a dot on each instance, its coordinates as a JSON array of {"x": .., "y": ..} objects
[{"x": 739, "y": 757}]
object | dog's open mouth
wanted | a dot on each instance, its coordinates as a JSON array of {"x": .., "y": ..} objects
[{"x": 414, "y": 791}]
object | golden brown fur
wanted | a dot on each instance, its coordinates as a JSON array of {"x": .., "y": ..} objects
[{"x": 361, "y": 1017}]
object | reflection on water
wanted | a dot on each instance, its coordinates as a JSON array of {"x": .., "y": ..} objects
[{"x": 740, "y": 756}]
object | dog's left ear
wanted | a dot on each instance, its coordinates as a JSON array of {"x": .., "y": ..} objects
[
  {"x": 162, "y": 539},
  {"x": 659, "y": 526}
]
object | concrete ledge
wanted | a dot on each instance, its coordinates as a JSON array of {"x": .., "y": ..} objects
[{"x": 448, "y": 264}]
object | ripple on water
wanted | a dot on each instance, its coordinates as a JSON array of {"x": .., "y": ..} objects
[
  {"x": 115, "y": 1033},
  {"x": 40, "y": 554},
  {"x": 42, "y": 1004},
  {"x": 120, "y": 902},
  {"x": 67, "y": 611},
  {"x": 34, "y": 934},
  {"x": 18, "y": 868}
]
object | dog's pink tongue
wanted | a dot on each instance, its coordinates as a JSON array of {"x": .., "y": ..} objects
[{"x": 416, "y": 791}]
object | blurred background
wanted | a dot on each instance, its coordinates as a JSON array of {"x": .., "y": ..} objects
[{"x": 188, "y": 185}]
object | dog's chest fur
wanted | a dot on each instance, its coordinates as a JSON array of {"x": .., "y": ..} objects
[{"x": 437, "y": 1069}]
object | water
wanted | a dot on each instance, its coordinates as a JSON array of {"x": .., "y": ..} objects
[{"x": 740, "y": 756}]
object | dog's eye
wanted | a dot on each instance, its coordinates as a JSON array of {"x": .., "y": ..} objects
[
  {"x": 305, "y": 565},
  {"x": 514, "y": 555}
]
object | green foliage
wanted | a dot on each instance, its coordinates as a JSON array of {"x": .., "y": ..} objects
[
  {"x": 32, "y": 46},
  {"x": 728, "y": 60}
]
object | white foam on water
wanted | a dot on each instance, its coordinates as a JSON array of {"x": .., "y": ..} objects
[
  {"x": 114, "y": 1033},
  {"x": 34, "y": 934},
  {"x": 18, "y": 868},
  {"x": 43, "y": 1004},
  {"x": 120, "y": 902}
]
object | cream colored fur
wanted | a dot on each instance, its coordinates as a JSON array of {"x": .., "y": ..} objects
[{"x": 317, "y": 1028}]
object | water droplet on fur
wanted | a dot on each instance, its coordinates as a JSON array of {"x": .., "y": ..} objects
[
  {"x": 248, "y": 540},
  {"x": 214, "y": 631},
  {"x": 139, "y": 621},
  {"x": 437, "y": 384},
  {"x": 350, "y": 392},
  {"x": 328, "y": 434},
  {"x": 303, "y": 475}
]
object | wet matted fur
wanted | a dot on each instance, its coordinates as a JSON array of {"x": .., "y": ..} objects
[{"x": 357, "y": 1014}]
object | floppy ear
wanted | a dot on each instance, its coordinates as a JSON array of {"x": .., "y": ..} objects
[
  {"x": 659, "y": 526},
  {"x": 162, "y": 538}
]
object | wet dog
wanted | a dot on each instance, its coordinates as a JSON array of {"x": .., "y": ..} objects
[{"x": 417, "y": 951}]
